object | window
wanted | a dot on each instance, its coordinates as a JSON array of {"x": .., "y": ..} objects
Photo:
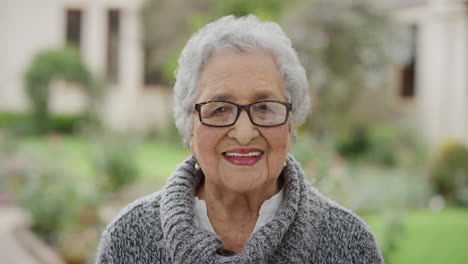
[
  {"x": 113, "y": 44},
  {"x": 152, "y": 75},
  {"x": 73, "y": 30},
  {"x": 408, "y": 69}
]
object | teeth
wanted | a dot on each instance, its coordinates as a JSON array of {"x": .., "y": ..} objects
[{"x": 250, "y": 154}]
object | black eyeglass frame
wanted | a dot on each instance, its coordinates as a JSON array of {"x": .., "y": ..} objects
[{"x": 246, "y": 108}]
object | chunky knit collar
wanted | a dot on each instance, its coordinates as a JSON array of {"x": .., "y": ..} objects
[{"x": 185, "y": 242}]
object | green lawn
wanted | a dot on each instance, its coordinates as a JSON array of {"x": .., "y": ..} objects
[
  {"x": 155, "y": 160},
  {"x": 431, "y": 237},
  {"x": 159, "y": 160}
]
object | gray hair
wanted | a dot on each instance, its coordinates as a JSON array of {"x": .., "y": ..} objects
[{"x": 244, "y": 34}]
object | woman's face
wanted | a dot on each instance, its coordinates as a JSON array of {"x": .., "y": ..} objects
[{"x": 243, "y": 78}]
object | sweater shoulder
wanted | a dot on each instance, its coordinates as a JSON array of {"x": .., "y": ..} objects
[
  {"x": 343, "y": 237},
  {"x": 134, "y": 235},
  {"x": 333, "y": 212},
  {"x": 139, "y": 211}
]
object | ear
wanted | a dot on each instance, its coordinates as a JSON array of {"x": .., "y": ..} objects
[
  {"x": 191, "y": 145},
  {"x": 190, "y": 141}
]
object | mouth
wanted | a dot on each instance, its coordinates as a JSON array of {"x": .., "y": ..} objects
[{"x": 243, "y": 156}]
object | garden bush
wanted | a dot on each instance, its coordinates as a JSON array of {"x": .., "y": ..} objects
[
  {"x": 449, "y": 172},
  {"x": 8, "y": 119},
  {"x": 63, "y": 206},
  {"x": 381, "y": 144},
  {"x": 67, "y": 124},
  {"x": 55, "y": 200},
  {"x": 22, "y": 124},
  {"x": 114, "y": 159},
  {"x": 64, "y": 63},
  {"x": 374, "y": 143}
]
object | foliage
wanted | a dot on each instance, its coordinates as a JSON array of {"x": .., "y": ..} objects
[
  {"x": 344, "y": 46},
  {"x": 7, "y": 119},
  {"x": 380, "y": 144},
  {"x": 353, "y": 144},
  {"x": 19, "y": 123},
  {"x": 166, "y": 28},
  {"x": 163, "y": 43},
  {"x": 46, "y": 66},
  {"x": 66, "y": 124},
  {"x": 59, "y": 202},
  {"x": 114, "y": 158},
  {"x": 361, "y": 188},
  {"x": 449, "y": 172},
  {"x": 15, "y": 122},
  {"x": 50, "y": 191},
  {"x": 264, "y": 9},
  {"x": 55, "y": 201}
]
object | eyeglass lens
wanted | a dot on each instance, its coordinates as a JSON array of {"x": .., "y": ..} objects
[{"x": 261, "y": 113}]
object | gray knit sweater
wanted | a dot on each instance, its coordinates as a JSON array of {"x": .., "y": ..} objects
[{"x": 307, "y": 228}]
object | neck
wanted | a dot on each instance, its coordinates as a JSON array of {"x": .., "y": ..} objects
[
  {"x": 231, "y": 205},
  {"x": 234, "y": 215}
]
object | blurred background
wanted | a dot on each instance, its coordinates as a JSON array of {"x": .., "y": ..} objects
[{"x": 86, "y": 120}]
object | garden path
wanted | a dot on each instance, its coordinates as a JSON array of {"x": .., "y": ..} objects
[{"x": 17, "y": 243}]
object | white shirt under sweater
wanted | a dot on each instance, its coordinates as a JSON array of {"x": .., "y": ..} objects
[{"x": 266, "y": 213}]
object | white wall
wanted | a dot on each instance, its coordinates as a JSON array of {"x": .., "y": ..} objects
[
  {"x": 441, "y": 102},
  {"x": 29, "y": 26}
]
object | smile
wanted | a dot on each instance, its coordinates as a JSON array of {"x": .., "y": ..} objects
[
  {"x": 250, "y": 154},
  {"x": 243, "y": 157}
]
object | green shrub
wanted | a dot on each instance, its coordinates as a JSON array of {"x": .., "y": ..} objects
[
  {"x": 9, "y": 118},
  {"x": 114, "y": 158},
  {"x": 16, "y": 123},
  {"x": 354, "y": 144},
  {"x": 23, "y": 124},
  {"x": 374, "y": 143},
  {"x": 53, "y": 195},
  {"x": 66, "y": 124},
  {"x": 449, "y": 172},
  {"x": 381, "y": 144},
  {"x": 46, "y": 66}
]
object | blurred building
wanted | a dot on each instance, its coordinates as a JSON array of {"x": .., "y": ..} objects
[
  {"x": 432, "y": 80},
  {"x": 108, "y": 37}
]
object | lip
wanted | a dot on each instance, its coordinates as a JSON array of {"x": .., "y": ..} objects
[{"x": 246, "y": 160}]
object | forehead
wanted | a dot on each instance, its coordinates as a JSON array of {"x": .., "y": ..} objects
[{"x": 240, "y": 76}]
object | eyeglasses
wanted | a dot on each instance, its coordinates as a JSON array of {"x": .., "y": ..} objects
[{"x": 268, "y": 113}]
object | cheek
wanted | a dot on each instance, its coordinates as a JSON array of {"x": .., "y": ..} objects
[
  {"x": 204, "y": 141},
  {"x": 279, "y": 140}
]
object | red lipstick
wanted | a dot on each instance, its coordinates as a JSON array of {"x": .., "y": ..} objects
[{"x": 243, "y": 156}]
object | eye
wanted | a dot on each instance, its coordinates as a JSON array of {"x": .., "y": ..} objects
[
  {"x": 220, "y": 110},
  {"x": 263, "y": 108}
]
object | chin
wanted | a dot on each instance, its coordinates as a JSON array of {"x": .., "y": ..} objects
[{"x": 245, "y": 182}]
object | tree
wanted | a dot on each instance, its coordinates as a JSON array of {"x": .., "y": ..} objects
[
  {"x": 48, "y": 65},
  {"x": 166, "y": 27},
  {"x": 344, "y": 46}
]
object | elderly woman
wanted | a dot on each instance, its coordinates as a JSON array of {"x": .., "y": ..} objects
[{"x": 239, "y": 95}]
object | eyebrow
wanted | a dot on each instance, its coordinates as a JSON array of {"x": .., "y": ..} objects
[
  {"x": 263, "y": 95},
  {"x": 256, "y": 97},
  {"x": 222, "y": 97}
]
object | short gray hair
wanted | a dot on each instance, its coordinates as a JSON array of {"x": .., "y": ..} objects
[{"x": 244, "y": 34}]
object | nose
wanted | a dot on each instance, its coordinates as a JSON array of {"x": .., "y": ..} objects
[{"x": 243, "y": 130}]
